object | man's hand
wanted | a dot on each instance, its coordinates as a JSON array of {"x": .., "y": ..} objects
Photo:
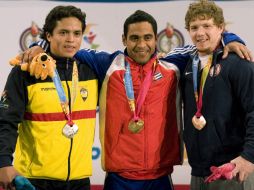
[
  {"x": 240, "y": 49},
  {"x": 243, "y": 168},
  {"x": 161, "y": 55},
  {"x": 25, "y": 58},
  {"x": 41, "y": 66},
  {"x": 28, "y": 55},
  {"x": 7, "y": 174}
]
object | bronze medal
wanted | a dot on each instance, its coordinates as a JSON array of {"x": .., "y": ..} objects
[
  {"x": 136, "y": 126},
  {"x": 198, "y": 123}
]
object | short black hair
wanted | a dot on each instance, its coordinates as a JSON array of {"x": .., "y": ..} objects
[
  {"x": 58, "y": 13},
  {"x": 139, "y": 16}
]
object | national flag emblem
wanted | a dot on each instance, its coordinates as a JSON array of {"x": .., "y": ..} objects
[{"x": 157, "y": 76}]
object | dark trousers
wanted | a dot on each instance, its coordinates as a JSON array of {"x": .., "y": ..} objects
[
  {"x": 45, "y": 184},
  {"x": 115, "y": 182}
]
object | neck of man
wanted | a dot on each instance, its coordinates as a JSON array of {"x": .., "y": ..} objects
[{"x": 204, "y": 60}]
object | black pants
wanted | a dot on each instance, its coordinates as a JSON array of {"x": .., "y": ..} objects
[
  {"x": 44, "y": 184},
  {"x": 114, "y": 181}
]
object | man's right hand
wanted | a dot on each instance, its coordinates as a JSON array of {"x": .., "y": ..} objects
[
  {"x": 240, "y": 49},
  {"x": 7, "y": 174},
  {"x": 28, "y": 55},
  {"x": 243, "y": 168},
  {"x": 41, "y": 65}
]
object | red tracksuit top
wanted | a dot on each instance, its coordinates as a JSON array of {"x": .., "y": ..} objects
[{"x": 154, "y": 151}]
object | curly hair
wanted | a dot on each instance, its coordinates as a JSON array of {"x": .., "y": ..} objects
[
  {"x": 58, "y": 13},
  {"x": 204, "y": 9}
]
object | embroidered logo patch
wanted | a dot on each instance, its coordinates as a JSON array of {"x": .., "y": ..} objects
[
  {"x": 3, "y": 101},
  {"x": 188, "y": 73},
  {"x": 48, "y": 89},
  {"x": 157, "y": 76},
  {"x": 84, "y": 93},
  {"x": 215, "y": 72}
]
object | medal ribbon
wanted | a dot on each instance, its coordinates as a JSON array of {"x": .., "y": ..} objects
[
  {"x": 61, "y": 94},
  {"x": 198, "y": 97},
  {"x": 136, "y": 107}
]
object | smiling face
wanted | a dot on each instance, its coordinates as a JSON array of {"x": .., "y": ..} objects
[
  {"x": 66, "y": 37},
  {"x": 140, "y": 42},
  {"x": 205, "y": 35}
]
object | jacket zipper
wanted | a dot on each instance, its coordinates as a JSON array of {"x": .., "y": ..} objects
[
  {"x": 71, "y": 140},
  {"x": 145, "y": 131}
]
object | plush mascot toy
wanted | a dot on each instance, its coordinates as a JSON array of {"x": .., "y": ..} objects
[{"x": 41, "y": 66}]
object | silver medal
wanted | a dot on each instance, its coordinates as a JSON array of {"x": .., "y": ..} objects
[{"x": 70, "y": 131}]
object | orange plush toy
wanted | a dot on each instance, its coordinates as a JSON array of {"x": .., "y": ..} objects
[
  {"x": 17, "y": 61},
  {"x": 41, "y": 66}
]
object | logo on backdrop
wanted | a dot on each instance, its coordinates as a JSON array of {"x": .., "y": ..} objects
[
  {"x": 29, "y": 36},
  {"x": 169, "y": 38},
  {"x": 89, "y": 36}
]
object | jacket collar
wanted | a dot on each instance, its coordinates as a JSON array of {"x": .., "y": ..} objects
[
  {"x": 63, "y": 62},
  {"x": 133, "y": 64}
]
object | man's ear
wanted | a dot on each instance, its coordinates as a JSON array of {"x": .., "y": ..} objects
[
  {"x": 124, "y": 40},
  {"x": 48, "y": 36},
  {"x": 222, "y": 27}
]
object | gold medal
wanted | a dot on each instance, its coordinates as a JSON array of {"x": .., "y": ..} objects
[
  {"x": 198, "y": 123},
  {"x": 136, "y": 126}
]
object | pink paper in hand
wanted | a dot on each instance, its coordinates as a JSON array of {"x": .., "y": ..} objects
[{"x": 221, "y": 172}]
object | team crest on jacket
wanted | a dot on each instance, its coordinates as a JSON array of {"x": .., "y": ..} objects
[
  {"x": 84, "y": 93},
  {"x": 215, "y": 72},
  {"x": 3, "y": 101}
]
